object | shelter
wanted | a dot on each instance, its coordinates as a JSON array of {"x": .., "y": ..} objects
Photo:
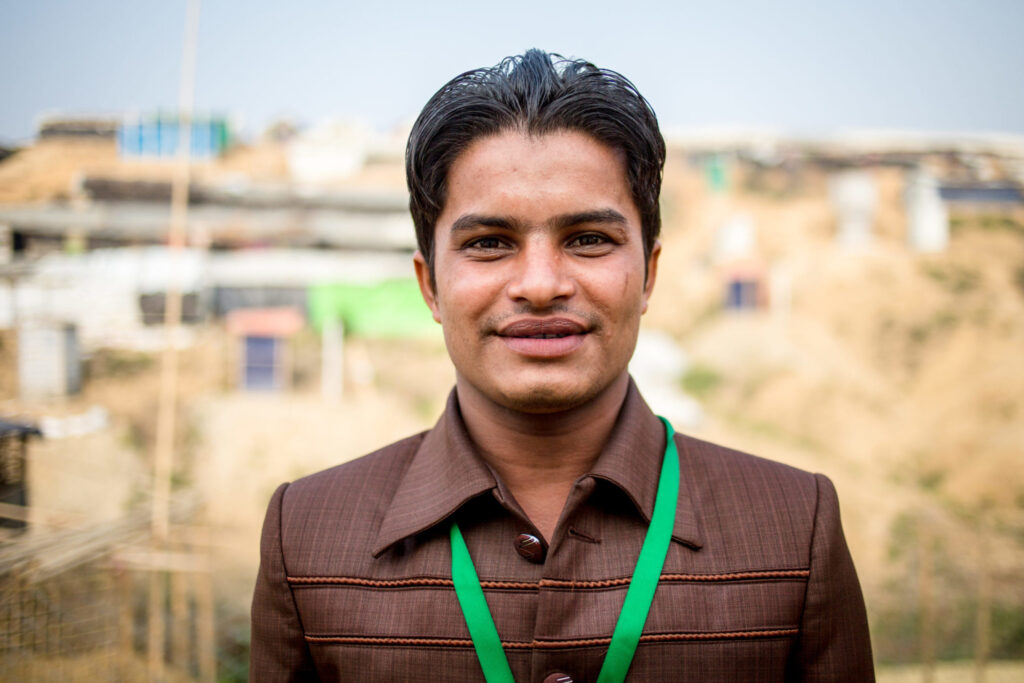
[
  {"x": 391, "y": 308},
  {"x": 855, "y": 199},
  {"x": 49, "y": 362},
  {"x": 159, "y": 135},
  {"x": 89, "y": 127},
  {"x": 735, "y": 238},
  {"x": 745, "y": 284},
  {"x": 14, "y": 472},
  {"x": 264, "y": 356},
  {"x": 71, "y": 601},
  {"x": 927, "y": 215},
  {"x": 740, "y": 267}
]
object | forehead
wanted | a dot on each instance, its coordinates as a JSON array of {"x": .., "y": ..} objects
[{"x": 536, "y": 176}]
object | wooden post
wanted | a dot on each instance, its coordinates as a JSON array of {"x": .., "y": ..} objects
[
  {"x": 179, "y": 620},
  {"x": 13, "y": 631},
  {"x": 927, "y": 606},
  {"x": 111, "y": 627},
  {"x": 55, "y": 631},
  {"x": 167, "y": 410},
  {"x": 155, "y": 633},
  {"x": 206, "y": 634},
  {"x": 125, "y": 623},
  {"x": 332, "y": 363},
  {"x": 983, "y": 616}
]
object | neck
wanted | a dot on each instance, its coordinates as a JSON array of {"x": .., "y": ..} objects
[{"x": 540, "y": 456}]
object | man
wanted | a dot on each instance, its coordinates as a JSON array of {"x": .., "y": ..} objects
[{"x": 547, "y": 528}]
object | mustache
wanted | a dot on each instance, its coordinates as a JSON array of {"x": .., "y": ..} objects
[{"x": 497, "y": 322}]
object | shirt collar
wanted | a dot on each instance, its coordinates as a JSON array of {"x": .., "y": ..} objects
[
  {"x": 631, "y": 460},
  {"x": 446, "y": 472}
]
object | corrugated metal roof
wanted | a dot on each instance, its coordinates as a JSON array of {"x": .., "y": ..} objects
[{"x": 19, "y": 428}]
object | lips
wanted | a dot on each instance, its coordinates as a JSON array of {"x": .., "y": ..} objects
[
  {"x": 543, "y": 337},
  {"x": 541, "y": 328}
]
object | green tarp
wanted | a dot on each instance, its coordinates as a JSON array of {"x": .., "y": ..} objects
[{"x": 390, "y": 308}]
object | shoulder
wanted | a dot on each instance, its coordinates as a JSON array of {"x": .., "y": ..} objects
[
  {"x": 728, "y": 469},
  {"x": 332, "y": 513},
  {"x": 752, "y": 508},
  {"x": 372, "y": 477}
]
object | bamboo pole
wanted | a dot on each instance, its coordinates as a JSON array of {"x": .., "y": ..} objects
[
  {"x": 179, "y": 620},
  {"x": 983, "y": 616},
  {"x": 927, "y": 604},
  {"x": 156, "y": 629},
  {"x": 55, "y": 631},
  {"x": 126, "y": 623},
  {"x": 163, "y": 459},
  {"x": 206, "y": 635}
]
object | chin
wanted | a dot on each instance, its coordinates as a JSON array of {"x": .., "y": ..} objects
[{"x": 547, "y": 398}]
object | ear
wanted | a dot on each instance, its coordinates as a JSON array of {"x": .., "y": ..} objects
[
  {"x": 426, "y": 284},
  {"x": 652, "y": 274}
]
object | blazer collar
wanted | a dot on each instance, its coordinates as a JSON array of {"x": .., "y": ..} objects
[
  {"x": 446, "y": 472},
  {"x": 631, "y": 460}
]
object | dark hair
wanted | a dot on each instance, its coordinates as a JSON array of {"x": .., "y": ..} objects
[{"x": 538, "y": 93}]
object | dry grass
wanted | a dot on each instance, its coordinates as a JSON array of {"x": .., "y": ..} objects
[{"x": 954, "y": 672}]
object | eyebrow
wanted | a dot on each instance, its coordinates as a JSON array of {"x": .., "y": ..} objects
[
  {"x": 598, "y": 216},
  {"x": 471, "y": 221}
]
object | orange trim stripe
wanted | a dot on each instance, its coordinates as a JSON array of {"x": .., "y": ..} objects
[
  {"x": 552, "y": 644},
  {"x": 684, "y": 578},
  {"x": 368, "y": 583},
  {"x": 544, "y": 583}
]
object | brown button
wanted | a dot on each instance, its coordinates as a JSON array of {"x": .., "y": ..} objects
[
  {"x": 558, "y": 678},
  {"x": 530, "y": 547}
]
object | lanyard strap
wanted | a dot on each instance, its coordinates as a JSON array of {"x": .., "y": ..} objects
[
  {"x": 478, "y": 617},
  {"x": 638, "y": 601}
]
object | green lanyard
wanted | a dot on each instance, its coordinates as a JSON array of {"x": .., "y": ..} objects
[{"x": 634, "y": 610}]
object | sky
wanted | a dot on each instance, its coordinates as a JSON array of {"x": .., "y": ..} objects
[{"x": 802, "y": 68}]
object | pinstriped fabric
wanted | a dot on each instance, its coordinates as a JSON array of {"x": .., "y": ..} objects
[{"x": 355, "y": 580}]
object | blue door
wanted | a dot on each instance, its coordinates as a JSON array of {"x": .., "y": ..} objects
[{"x": 260, "y": 368}]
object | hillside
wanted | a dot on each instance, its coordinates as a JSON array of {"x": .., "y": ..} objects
[{"x": 899, "y": 375}]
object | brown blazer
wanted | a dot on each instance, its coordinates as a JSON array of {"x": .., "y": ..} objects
[{"x": 355, "y": 574}]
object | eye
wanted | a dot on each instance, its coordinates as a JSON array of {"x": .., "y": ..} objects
[
  {"x": 486, "y": 247},
  {"x": 590, "y": 243},
  {"x": 485, "y": 243}
]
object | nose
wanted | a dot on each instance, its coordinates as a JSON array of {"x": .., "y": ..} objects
[{"x": 541, "y": 276}]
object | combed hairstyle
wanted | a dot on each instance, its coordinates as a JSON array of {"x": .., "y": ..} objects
[{"x": 537, "y": 93}]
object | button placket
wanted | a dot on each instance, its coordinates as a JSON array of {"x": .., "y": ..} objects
[{"x": 568, "y": 557}]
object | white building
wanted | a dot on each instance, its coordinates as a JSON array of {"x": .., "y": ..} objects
[
  {"x": 855, "y": 199},
  {"x": 927, "y": 216}
]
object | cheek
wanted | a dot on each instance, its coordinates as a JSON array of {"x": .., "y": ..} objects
[
  {"x": 617, "y": 292},
  {"x": 462, "y": 299},
  {"x": 472, "y": 285},
  {"x": 627, "y": 283}
]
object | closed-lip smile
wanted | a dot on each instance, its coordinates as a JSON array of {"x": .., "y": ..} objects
[{"x": 543, "y": 337}]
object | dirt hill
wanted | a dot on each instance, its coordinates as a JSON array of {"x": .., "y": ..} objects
[{"x": 900, "y": 375}]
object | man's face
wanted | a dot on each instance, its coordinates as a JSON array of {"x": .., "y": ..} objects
[{"x": 539, "y": 270}]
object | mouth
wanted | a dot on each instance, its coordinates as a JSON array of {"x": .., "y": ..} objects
[
  {"x": 542, "y": 328},
  {"x": 543, "y": 337}
]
